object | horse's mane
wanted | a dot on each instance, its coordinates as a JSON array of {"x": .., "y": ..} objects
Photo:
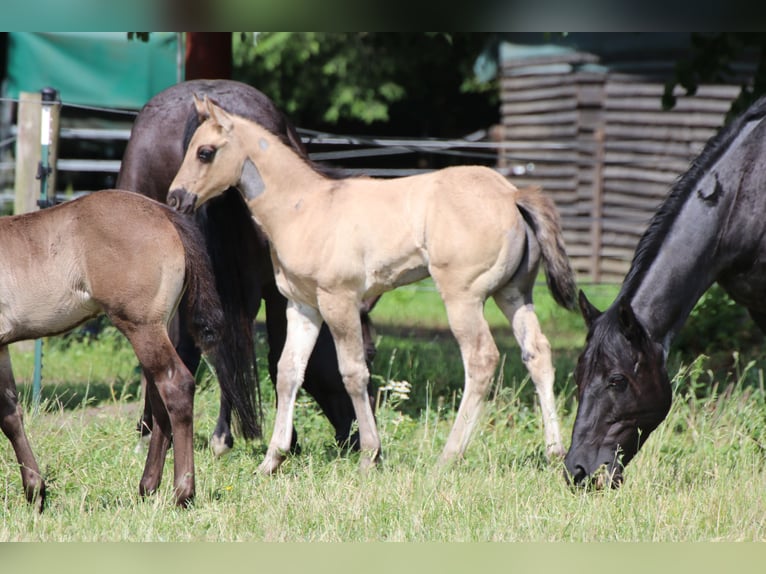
[{"x": 650, "y": 242}]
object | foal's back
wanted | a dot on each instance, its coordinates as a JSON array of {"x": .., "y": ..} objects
[{"x": 111, "y": 251}]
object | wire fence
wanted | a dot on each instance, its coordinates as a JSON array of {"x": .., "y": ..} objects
[{"x": 474, "y": 146}]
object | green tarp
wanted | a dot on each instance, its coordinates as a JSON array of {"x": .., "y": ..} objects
[{"x": 92, "y": 68}]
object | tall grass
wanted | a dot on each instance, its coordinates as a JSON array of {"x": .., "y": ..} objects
[{"x": 700, "y": 477}]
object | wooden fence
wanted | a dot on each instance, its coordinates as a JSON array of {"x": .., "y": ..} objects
[{"x": 600, "y": 144}]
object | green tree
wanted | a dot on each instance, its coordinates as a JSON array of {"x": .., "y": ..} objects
[
  {"x": 414, "y": 83},
  {"x": 711, "y": 59}
]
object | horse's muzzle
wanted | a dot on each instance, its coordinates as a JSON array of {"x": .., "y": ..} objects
[
  {"x": 181, "y": 200},
  {"x": 604, "y": 476}
]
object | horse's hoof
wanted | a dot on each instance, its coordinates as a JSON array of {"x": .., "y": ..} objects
[
  {"x": 185, "y": 490},
  {"x": 270, "y": 464},
  {"x": 36, "y": 496},
  {"x": 185, "y": 500},
  {"x": 369, "y": 460},
  {"x": 219, "y": 445}
]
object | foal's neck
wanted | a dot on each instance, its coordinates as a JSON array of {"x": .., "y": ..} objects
[{"x": 275, "y": 180}]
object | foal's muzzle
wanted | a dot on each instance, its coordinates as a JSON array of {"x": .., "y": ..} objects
[{"x": 181, "y": 200}]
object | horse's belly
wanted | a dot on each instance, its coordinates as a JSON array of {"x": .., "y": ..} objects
[
  {"x": 384, "y": 278},
  {"x": 31, "y": 317}
]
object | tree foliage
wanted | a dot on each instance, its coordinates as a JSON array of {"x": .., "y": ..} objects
[
  {"x": 321, "y": 79},
  {"x": 712, "y": 58}
]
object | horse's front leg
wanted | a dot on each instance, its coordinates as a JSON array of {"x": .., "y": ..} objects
[
  {"x": 341, "y": 312},
  {"x": 12, "y": 423},
  {"x": 276, "y": 332},
  {"x": 303, "y": 324}
]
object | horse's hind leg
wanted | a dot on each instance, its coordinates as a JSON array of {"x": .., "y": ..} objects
[
  {"x": 170, "y": 387},
  {"x": 536, "y": 355},
  {"x": 159, "y": 439},
  {"x": 12, "y": 424},
  {"x": 480, "y": 357},
  {"x": 187, "y": 350}
]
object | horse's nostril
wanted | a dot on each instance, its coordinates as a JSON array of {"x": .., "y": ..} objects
[
  {"x": 575, "y": 476},
  {"x": 182, "y": 201}
]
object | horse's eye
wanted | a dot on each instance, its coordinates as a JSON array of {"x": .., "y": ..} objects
[
  {"x": 206, "y": 154},
  {"x": 617, "y": 381}
]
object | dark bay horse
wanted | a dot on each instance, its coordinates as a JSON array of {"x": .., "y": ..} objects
[
  {"x": 335, "y": 243},
  {"x": 131, "y": 258},
  {"x": 711, "y": 228},
  {"x": 239, "y": 253}
]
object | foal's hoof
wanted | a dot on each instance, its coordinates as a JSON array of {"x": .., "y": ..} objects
[
  {"x": 185, "y": 500},
  {"x": 185, "y": 490},
  {"x": 270, "y": 464},
  {"x": 35, "y": 495},
  {"x": 369, "y": 461}
]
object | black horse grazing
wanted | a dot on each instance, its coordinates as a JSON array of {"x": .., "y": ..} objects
[
  {"x": 710, "y": 228},
  {"x": 239, "y": 254}
]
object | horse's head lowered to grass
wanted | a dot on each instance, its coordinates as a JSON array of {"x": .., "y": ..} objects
[{"x": 623, "y": 392}]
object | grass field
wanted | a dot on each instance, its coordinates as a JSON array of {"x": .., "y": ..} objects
[{"x": 701, "y": 477}]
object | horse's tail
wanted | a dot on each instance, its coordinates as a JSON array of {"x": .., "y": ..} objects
[
  {"x": 219, "y": 331},
  {"x": 541, "y": 215}
]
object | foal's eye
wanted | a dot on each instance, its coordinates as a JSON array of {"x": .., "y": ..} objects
[
  {"x": 617, "y": 381},
  {"x": 206, "y": 154}
]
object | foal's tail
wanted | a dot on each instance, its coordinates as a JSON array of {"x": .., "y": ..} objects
[
  {"x": 217, "y": 332},
  {"x": 541, "y": 215}
]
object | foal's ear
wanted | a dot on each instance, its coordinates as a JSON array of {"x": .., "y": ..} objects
[
  {"x": 201, "y": 108},
  {"x": 218, "y": 115},
  {"x": 589, "y": 312}
]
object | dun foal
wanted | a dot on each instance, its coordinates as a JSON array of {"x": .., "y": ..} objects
[
  {"x": 335, "y": 243},
  {"x": 132, "y": 258}
]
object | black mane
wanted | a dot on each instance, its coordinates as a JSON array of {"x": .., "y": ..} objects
[{"x": 663, "y": 219}]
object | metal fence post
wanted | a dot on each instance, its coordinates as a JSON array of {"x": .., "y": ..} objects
[{"x": 47, "y": 198}]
